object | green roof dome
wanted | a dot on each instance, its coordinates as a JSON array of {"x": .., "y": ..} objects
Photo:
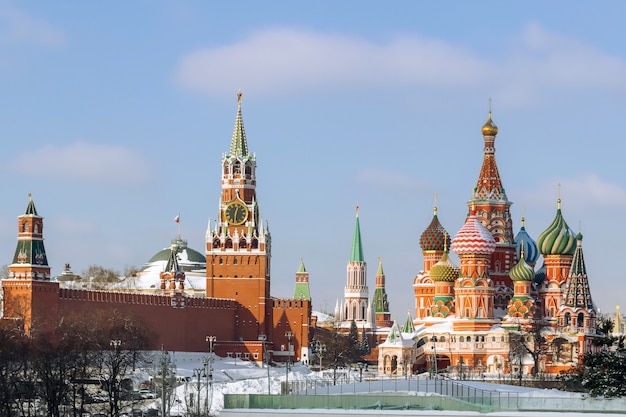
[
  {"x": 522, "y": 271},
  {"x": 558, "y": 238},
  {"x": 188, "y": 259}
]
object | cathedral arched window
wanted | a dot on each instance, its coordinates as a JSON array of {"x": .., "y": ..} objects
[
  {"x": 568, "y": 319},
  {"x": 237, "y": 168},
  {"x": 580, "y": 322},
  {"x": 248, "y": 169},
  {"x": 25, "y": 226}
]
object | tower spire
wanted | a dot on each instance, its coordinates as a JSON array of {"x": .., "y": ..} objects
[
  {"x": 239, "y": 143},
  {"x": 356, "y": 255}
]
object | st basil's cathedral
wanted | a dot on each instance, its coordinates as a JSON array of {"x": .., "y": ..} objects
[{"x": 495, "y": 313}]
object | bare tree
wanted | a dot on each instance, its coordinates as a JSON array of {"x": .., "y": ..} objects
[
  {"x": 100, "y": 277},
  {"x": 14, "y": 346},
  {"x": 121, "y": 341}
]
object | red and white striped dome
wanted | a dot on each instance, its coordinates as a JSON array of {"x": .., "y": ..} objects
[{"x": 473, "y": 238}]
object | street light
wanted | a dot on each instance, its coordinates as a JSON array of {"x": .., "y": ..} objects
[
  {"x": 166, "y": 371},
  {"x": 265, "y": 356},
  {"x": 198, "y": 373},
  {"x": 461, "y": 368},
  {"x": 115, "y": 370},
  {"x": 434, "y": 347},
  {"x": 361, "y": 365},
  {"x": 289, "y": 335},
  {"x": 211, "y": 340},
  {"x": 320, "y": 351}
]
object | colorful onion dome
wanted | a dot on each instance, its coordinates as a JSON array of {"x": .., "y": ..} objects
[
  {"x": 473, "y": 238},
  {"x": 444, "y": 270},
  {"x": 489, "y": 129},
  {"x": 434, "y": 238},
  {"x": 522, "y": 271},
  {"x": 558, "y": 238},
  {"x": 540, "y": 275},
  {"x": 524, "y": 243}
]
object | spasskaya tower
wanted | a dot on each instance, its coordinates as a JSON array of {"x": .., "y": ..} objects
[{"x": 238, "y": 245}]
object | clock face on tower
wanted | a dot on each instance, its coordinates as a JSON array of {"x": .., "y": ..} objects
[{"x": 236, "y": 213}]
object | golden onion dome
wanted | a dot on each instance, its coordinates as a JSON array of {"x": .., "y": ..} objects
[{"x": 489, "y": 129}]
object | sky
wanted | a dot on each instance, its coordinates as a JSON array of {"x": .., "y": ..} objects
[{"x": 115, "y": 117}]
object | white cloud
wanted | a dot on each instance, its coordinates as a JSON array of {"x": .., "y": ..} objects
[
  {"x": 286, "y": 62},
  {"x": 282, "y": 60},
  {"x": 585, "y": 191},
  {"x": 83, "y": 161},
  {"x": 17, "y": 27}
]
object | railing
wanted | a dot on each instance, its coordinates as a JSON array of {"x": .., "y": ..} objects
[
  {"x": 414, "y": 394},
  {"x": 492, "y": 399}
]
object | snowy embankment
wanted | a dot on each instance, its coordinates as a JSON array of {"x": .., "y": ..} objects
[{"x": 234, "y": 376}]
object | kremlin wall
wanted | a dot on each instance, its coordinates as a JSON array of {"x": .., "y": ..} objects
[{"x": 495, "y": 313}]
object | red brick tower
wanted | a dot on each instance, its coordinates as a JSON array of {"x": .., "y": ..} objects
[
  {"x": 238, "y": 248},
  {"x": 492, "y": 208},
  {"x": 28, "y": 293}
]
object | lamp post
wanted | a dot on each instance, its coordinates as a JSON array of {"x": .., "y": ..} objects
[
  {"x": 361, "y": 365},
  {"x": 198, "y": 373},
  {"x": 211, "y": 340},
  {"x": 434, "y": 347},
  {"x": 115, "y": 363},
  {"x": 265, "y": 357},
  {"x": 165, "y": 374},
  {"x": 461, "y": 368},
  {"x": 320, "y": 351},
  {"x": 289, "y": 335}
]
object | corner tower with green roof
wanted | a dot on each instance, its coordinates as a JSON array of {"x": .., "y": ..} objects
[
  {"x": 380, "y": 303},
  {"x": 29, "y": 294},
  {"x": 356, "y": 293},
  {"x": 302, "y": 291},
  {"x": 30, "y": 260}
]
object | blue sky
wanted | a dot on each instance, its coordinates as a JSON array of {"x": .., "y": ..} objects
[{"x": 114, "y": 115}]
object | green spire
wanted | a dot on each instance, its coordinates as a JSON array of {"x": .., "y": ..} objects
[
  {"x": 408, "y": 324},
  {"x": 302, "y": 291},
  {"x": 30, "y": 209},
  {"x": 357, "y": 247},
  {"x": 380, "y": 267},
  {"x": 239, "y": 144},
  {"x": 301, "y": 268}
]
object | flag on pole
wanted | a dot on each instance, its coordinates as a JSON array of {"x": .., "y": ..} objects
[{"x": 177, "y": 219}]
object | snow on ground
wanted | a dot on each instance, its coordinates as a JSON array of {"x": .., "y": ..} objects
[{"x": 232, "y": 375}]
